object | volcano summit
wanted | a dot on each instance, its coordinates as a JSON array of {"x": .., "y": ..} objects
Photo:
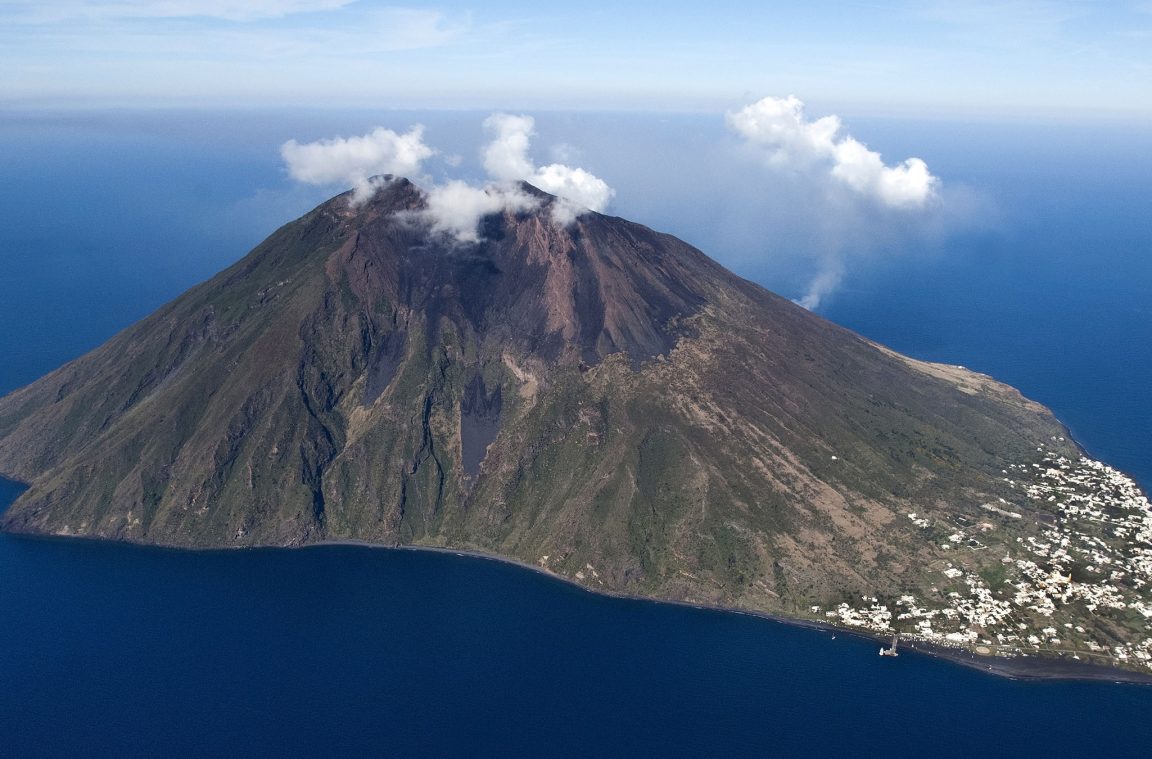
[{"x": 597, "y": 399}]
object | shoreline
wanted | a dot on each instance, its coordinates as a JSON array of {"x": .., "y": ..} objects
[{"x": 1028, "y": 667}]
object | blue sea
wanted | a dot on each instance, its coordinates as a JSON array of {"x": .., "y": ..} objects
[{"x": 1039, "y": 275}]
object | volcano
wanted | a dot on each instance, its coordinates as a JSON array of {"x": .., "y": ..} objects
[{"x": 594, "y": 398}]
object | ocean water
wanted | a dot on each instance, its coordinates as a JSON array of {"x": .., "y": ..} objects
[{"x": 119, "y": 651}]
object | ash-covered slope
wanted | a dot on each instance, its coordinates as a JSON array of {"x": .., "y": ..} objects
[{"x": 599, "y": 399}]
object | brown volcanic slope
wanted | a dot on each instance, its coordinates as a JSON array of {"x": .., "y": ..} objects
[{"x": 601, "y": 399}]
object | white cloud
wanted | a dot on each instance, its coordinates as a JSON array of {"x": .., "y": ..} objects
[
  {"x": 778, "y": 125},
  {"x": 906, "y": 185},
  {"x": 354, "y": 160},
  {"x": 779, "y": 128},
  {"x": 506, "y": 159},
  {"x": 579, "y": 189},
  {"x": 843, "y": 203},
  {"x": 455, "y": 208}
]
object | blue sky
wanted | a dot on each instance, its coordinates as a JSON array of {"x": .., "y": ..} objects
[{"x": 906, "y": 57}]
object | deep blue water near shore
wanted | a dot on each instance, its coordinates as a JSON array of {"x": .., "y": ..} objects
[{"x": 115, "y": 650}]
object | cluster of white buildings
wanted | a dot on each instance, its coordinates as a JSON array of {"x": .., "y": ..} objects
[{"x": 1080, "y": 586}]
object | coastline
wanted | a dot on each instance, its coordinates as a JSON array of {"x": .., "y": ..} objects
[{"x": 1032, "y": 667}]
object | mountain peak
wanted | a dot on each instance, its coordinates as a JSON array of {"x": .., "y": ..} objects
[
  {"x": 581, "y": 291},
  {"x": 392, "y": 194},
  {"x": 595, "y": 398}
]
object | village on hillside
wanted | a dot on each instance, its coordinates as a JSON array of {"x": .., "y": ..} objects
[{"x": 1081, "y": 587}]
